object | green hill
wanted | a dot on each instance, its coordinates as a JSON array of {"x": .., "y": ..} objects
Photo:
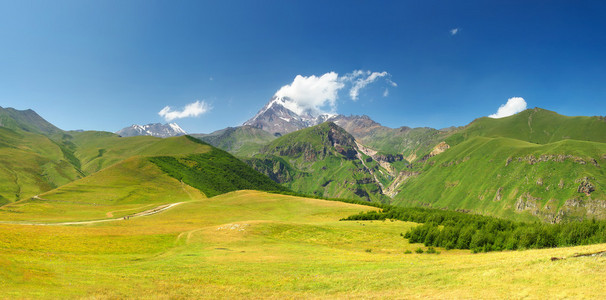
[
  {"x": 31, "y": 163},
  {"x": 533, "y": 165},
  {"x": 37, "y": 157},
  {"x": 143, "y": 182},
  {"x": 214, "y": 172},
  {"x": 127, "y": 187},
  {"x": 239, "y": 141},
  {"x": 26, "y": 120},
  {"x": 97, "y": 149},
  {"x": 537, "y": 126},
  {"x": 323, "y": 160}
]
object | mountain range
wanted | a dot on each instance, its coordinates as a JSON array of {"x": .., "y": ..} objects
[
  {"x": 535, "y": 165},
  {"x": 154, "y": 129}
]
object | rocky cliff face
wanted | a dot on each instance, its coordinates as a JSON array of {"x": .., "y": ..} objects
[{"x": 276, "y": 169}]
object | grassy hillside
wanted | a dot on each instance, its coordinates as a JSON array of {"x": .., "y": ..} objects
[
  {"x": 31, "y": 163},
  {"x": 538, "y": 126},
  {"x": 321, "y": 160},
  {"x": 38, "y": 157},
  {"x": 127, "y": 187},
  {"x": 97, "y": 150},
  {"x": 215, "y": 172},
  {"x": 513, "y": 178},
  {"x": 251, "y": 244},
  {"x": 26, "y": 120},
  {"x": 240, "y": 141}
]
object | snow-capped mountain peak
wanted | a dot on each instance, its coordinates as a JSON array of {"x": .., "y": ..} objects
[
  {"x": 155, "y": 129},
  {"x": 282, "y": 115}
]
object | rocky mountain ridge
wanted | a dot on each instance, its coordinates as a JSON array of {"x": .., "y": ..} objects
[
  {"x": 277, "y": 119},
  {"x": 153, "y": 129}
]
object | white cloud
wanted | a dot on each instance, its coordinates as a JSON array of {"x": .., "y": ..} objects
[
  {"x": 454, "y": 31},
  {"x": 513, "y": 106},
  {"x": 361, "y": 79},
  {"x": 311, "y": 93},
  {"x": 191, "y": 110},
  {"x": 315, "y": 94},
  {"x": 386, "y": 93}
]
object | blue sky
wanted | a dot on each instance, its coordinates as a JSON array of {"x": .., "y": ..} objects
[{"x": 105, "y": 65}]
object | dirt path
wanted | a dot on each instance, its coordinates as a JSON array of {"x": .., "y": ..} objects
[{"x": 148, "y": 212}]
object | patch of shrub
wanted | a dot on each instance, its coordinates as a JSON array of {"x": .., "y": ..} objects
[{"x": 456, "y": 230}]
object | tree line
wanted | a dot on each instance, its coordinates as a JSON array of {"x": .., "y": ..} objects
[{"x": 456, "y": 230}]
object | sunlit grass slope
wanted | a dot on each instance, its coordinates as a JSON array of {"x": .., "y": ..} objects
[
  {"x": 31, "y": 163},
  {"x": 539, "y": 126},
  {"x": 489, "y": 175},
  {"x": 125, "y": 188},
  {"x": 97, "y": 149},
  {"x": 250, "y": 244}
]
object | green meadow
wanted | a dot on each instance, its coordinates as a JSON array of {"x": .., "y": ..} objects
[{"x": 257, "y": 245}]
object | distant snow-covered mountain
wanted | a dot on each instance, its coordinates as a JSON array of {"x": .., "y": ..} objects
[
  {"x": 275, "y": 117},
  {"x": 155, "y": 129}
]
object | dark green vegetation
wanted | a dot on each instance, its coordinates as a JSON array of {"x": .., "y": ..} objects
[
  {"x": 456, "y": 230},
  {"x": 323, "y": 161},
  {"x": 215, "y": 172}
]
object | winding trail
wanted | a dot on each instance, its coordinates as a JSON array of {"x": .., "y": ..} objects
[{"x": 148, "y": 212}]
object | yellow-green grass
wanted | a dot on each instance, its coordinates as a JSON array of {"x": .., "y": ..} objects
[
  {"x": 30, "y": 164},
  {"x": 97, "y": 150},
  {"x": 125, "y": 188},
  {"x": 250, "y": 244}
]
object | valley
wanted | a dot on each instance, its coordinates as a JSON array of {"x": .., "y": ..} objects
[
  {"x": 177, "y": 217},
  {"x": 302, "y": 149}
]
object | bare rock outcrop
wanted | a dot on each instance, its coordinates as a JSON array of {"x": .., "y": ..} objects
[{"x": 585, "y": 186}]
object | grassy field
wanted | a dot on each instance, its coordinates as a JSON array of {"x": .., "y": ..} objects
[{"x": 258, "y": 245}]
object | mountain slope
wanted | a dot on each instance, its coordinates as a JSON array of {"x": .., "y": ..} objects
[
  {"x": 31, "y": 163},
  {"x": 127, "y": 187},
  {"x": 97, "y": 149},
  {"x": 35, "y": 156},
  {"x": 323, "y": 160},
  {"x": 533, "y": 165},
  {"x": 240, "y": 141},
  {"x": 214, "y": 172},
  {"x": 140, "y": 183},
  {"x": 412, "y": 143},
  {"x": 537, "y": 126},
  {"x": 26, "y": 120}
]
